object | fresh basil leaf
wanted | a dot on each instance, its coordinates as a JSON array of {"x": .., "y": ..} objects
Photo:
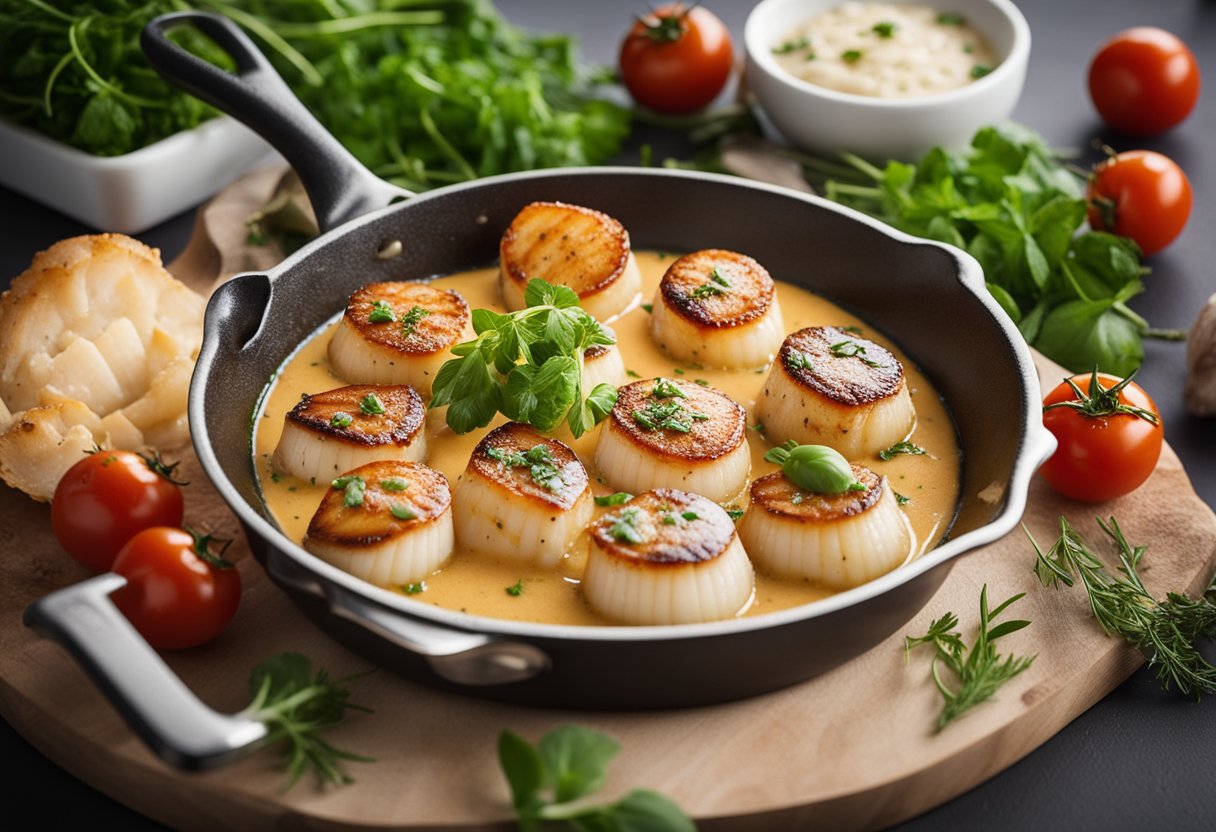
[
  {"x": 1006, "y": 301},
  {"x": 1054, "y": 225},
  {"x": 1080, "y": 334},
  {"x": 940, "y": 228},
  {"x": 523, "y": 768},
  {"x": 1032, "y": 322},
  {"x": 1114, "y": 260},
  {"x": 643, "y": 810},
  {"x": 575, "y": 760},
  {"x": 105, "y": 127}
]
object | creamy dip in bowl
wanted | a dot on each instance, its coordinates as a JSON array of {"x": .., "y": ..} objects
[{"x": 885, "y": 80}]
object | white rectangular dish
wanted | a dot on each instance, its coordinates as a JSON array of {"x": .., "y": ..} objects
[{"x": 135, "y": 191}]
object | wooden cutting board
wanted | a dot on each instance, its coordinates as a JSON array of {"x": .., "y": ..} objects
[{"x": 853, "y": 749}]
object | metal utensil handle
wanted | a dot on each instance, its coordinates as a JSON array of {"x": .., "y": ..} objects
[
  {"x": 338, "y": 184},
  {"x": 463, "y": 657},
  {"x": 162, "y": 711}
]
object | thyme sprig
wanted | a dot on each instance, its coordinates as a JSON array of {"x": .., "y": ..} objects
[
  {"x": 980, "y": 672},
  {"x": 1165, "y": 631},
  {"x": 295, "y": 705}
]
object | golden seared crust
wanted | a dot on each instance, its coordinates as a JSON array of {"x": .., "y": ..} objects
[
  {"x": 491, "y": 461},
  {"x": 775, "y": 494},
  {"x": 716, "y": 289},
  {"x": 567, "y": 245},
  {"x": 599, "y": 350},
  {"x": 447, "y": 315},
  {"x": 870, "y": 374},
  {"x": 706, "y": 439},
  {"x": 675, "y": 528},
  {"x": 400, "y": 422},
  {"x": 426, "y": 496}
]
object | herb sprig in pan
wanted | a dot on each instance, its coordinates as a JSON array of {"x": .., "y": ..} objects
[
  {"x": 1165, "y": 631},
  {"x": 527, "y": 365}
]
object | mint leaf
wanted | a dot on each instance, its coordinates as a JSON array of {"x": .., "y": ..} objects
[
  {"x": 523, "y": 768},
  {"x": 1081, "y": 334},
  {"x": 575, "y": 760}
]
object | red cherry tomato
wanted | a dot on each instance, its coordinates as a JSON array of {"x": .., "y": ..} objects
[
  {"x": 178, "y": 593},
  {"x": 1142, "y": 195},
  {"x": 676, "y": 59},
  {"x": 1144, "y": 81},
  {"x": 106, "y": 498},
  {"x": 1105, "y": 455}
]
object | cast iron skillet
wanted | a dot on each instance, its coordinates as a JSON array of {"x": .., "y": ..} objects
[{"x": 929, "y": 298}]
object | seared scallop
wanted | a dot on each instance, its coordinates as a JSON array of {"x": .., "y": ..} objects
[
  {"x": 389, "y": 523},
  {"x": 674, "y": 434},
  {"x": 572, "y": 246},
  {"x": 717, "y": 308},
  {"x": 523, "y": 496},
  {"x": 831, "y": 387},
  {"x": 836, "y": 540},
  {"x": 602, "y": 364},
  {"x": 667, "y": 557},
  {"x": 335, "y": 431},
  {"x": 398, "y": 333}
]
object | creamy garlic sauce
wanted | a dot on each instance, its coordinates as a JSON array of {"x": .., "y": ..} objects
[
  {"x": 477, "y": 584},
  {"x": 885, "y": 50}
]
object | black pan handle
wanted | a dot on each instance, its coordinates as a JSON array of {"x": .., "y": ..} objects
[{"x": 338, "y": 184}]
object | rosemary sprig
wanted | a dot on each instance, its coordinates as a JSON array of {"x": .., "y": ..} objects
[
  {"x": 981, "y": 671},
  {"x": 295, "y": 705},
  {"x": 1165, "y": 631}
]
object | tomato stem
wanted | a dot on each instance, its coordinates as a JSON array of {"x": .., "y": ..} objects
[
  {"x": 667, "y": 27},
  {"x": 162, "y": 468},
  {"x": 202, "y": 548},
  {"x": 1100, "y": 401}
]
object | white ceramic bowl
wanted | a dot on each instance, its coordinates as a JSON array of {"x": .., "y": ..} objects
[
  {"x": 823, "y": 120},
  {"x": 135, "y": 191}
]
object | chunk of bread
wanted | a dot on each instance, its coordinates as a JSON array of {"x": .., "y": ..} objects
[{"x": 97, "y": 345}]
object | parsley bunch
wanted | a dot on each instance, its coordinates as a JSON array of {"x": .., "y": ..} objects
[
  {"x": 550, "y": 781},
  {"x": 1010, "y": 204},
  {"x": 527, "y": 365}
]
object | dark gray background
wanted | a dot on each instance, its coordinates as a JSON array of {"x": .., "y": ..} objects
[{"x": 1140, "y": 759}]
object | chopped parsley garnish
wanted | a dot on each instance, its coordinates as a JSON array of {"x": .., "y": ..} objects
[
  {"x": 898, "y": 448},
  {"x": 537, "y": 459},
  {"x": 797, "y": 360},
  {"x": 341, "y": 419},
  {"x": 664, "y": 389},
  {"x": 717, "y": 285},
  {"x": 516, "y": 589},
  {"x": 856, "y": 330},
  {"x": 649, "y": 307},
  {"x": 900, "y": 499},
  {"x": 792, "y": 45},
  {"x": 410, "y": 320},
  {"x": 402, "y": 512},
  {"x": 758, "y": 427},
  {"x": 850, "y": 56},
  {"x": 381, "y": 312},
  {"x": 884, "y": 29},
  {"x": 371, "y": 405},
  {"x": 690, "y": 516},
  {"x": 668, "y": 518},
  {"x": 394, "y": 484},
  {"x": 632, "y": 374},
  {"x": 624, "y": 528},
  {"x": 852, "y": 349},
  {"x": 352, "y": 486},
  {"x": 979, "y": 71},
  {"x": 667, "y": 416},
  {"x": 951, "y": 19},
  {"x": 797, "y": 498},
  {"x": 619, "y": 498},
  {"x": 734, "y": 513},
  {"x": 414, "y": 589},
  {"x": 701, "y": 381}
]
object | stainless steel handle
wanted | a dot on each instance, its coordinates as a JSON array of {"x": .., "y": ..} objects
[
  {"x": 158, "y": 706},
  {"x": 466, "y": 658}
]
